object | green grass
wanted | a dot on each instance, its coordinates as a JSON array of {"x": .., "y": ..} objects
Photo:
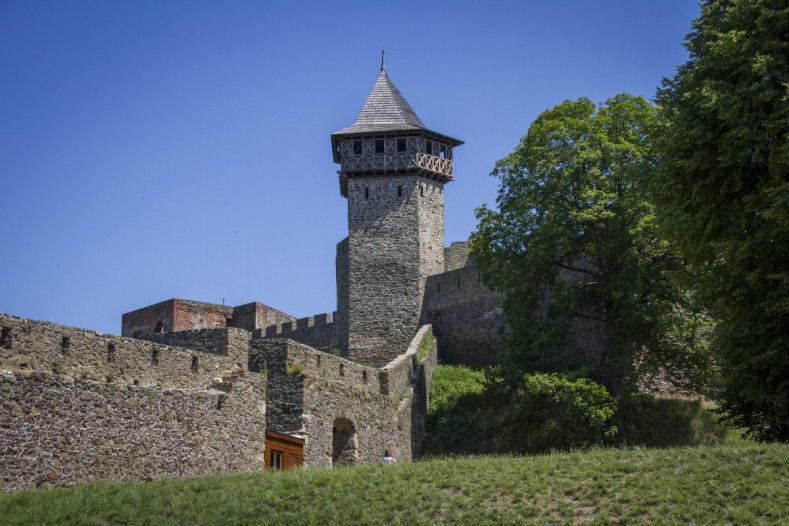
[
  {"x": 424, "y": 347},
  {"x": 734, "y": 485}
]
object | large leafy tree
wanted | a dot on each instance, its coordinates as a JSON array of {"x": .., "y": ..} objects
[
  {"x": 575, "y": 223},
  {"x": 723, "y": 189}
]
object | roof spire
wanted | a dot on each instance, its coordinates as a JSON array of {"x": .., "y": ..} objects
[{"x": 383, "y": 66}]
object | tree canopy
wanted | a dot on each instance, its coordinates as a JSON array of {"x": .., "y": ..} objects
[
  {"x": 723, "y": 193},
  {"x": 575, "y": 222}
]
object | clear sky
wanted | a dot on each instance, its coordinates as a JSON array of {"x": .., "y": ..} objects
[{"x": 158, "y": 149}]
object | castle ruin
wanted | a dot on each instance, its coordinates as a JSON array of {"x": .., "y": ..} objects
[{"x": 193, "y": 388}]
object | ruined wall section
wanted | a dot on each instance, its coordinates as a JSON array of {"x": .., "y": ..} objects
[
  {"x": 80, "y": 405},
  {"x": 395, "y": 241},
  {"x": 255, "y": 315},
  {"x": 319, "y": 332},
  {"x": 466, "y": 316},
  {"x": 456, "y": 255},
  {"x": 175, "y": 315}
]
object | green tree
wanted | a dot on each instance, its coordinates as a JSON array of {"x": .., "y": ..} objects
[
  {"x": 723, "y": 194},
  {"x": 575, "y": 219}
]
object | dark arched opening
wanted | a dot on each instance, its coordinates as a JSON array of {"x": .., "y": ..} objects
[{"x": 344, "y": 444}]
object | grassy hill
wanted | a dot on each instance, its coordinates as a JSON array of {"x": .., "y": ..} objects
[{"x": 713, "y": 485}]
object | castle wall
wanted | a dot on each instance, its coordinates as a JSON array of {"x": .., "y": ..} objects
[
  {"x": 456, "y": 255},
  {"x": 466, "y": 316},
  {"x": 395, "y": 241},
  {"x": 341, "y": 266},
  {"x": 175, "y": 315},
  {"x": 310, "y": 391},
  {"x": 80, "y": 405},
  {"x": 253, "y": 316},
  {"x": 319, "y": 332}
]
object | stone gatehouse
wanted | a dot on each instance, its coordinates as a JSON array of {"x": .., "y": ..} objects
[{"x": 195, "y": 388}]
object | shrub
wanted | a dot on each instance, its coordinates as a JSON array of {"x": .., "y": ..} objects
[{"x": 556, "y": 412}]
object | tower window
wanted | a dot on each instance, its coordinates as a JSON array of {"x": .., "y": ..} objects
[
  {"x": 379, "y": 146},
  {"x": 421, "y": 191},
  {"x": 357, "y": 147},
  {"x": 428, "y": 147},
  {"x": 442, "y": 151},
  {"x": 400, "y": 145},
  {"x": 400, "y": 191},
  {"x": 155, "y": 357},
  {"x": 367, "y": 193},
  {"x": 195, "y": 364},
  {"x": 110, "y": 352}
]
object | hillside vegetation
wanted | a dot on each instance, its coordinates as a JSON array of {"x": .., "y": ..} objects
[
  {"x": 736, "y": 485},
  {"x": 459, "y": 400}
]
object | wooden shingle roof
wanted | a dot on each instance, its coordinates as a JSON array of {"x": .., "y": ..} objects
[{"x": 385, "y": 110}]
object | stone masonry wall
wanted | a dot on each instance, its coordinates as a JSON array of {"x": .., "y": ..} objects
[
  {"x": 128, "y": 399},
  {"x": 341, "y": 266},
  {"x": 395, "y": 241},
  {"x": 319, "y": 332},
  {"x": 456, "y": 255},
  {"x": 466, "y": 316},
  {"x": 57, "y": 430},
  {"x": 254, "y": 316},
  {"x": 311, "y": 391}
]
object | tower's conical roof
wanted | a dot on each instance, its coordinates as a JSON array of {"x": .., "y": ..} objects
[{"x": 385, "y": 110}]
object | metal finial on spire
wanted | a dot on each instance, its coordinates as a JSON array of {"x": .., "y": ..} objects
[{"x": 383, "y": 66}]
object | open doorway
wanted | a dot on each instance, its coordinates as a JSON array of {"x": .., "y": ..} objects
[{"x": 345, "y": 447}]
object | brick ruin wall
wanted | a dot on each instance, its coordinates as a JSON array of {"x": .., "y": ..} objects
[
  {"x": 310, "y": 392},
  {"x": 395, "y": 241},
  {"x": 319, "y": 332},
  {"x": 80, "y": 405},
  {"x": 178, "y": 315},
  {"x": 175, "y": 315}
]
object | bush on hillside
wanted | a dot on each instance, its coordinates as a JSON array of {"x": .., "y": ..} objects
[{"x": 552, "y": 411}]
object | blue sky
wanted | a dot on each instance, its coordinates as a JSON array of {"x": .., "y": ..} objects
[{"x": 158, "y": 149}]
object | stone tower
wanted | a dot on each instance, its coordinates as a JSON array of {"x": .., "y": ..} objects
[{"x": 392, "y": 171}]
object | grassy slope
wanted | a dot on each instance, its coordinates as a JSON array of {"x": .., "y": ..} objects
[{"x": 741, "y": 485}]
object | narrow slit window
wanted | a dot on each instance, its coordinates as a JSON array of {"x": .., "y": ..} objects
[
  {"x": 65, "y": 342},
  {"x": 110, "y": 352},
  {"x": 195, "y": 364},
  {"x": 421, "y": 191},
  {"x": 364, "y": 376},
  {"x": 400, "y": 191},
  {"x": 342, "y": 369},
  {"x": 155, "y": 357},
  {"x": 367, "y": 193}
]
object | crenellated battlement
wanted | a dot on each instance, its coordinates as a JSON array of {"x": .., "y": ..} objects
[
  {"x": 208, "y": 358},
  {"x": 319, "y": 331}
]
